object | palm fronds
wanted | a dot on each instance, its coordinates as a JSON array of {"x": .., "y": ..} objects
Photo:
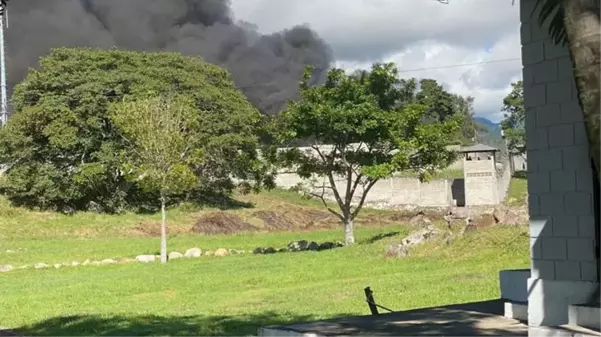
[{"x": 551, "y": 13}]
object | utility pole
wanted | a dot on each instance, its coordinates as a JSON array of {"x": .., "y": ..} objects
[{"x": 3, "y": 101}]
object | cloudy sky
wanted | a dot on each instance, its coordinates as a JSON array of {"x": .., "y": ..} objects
[{"x": 415, "y": 34}]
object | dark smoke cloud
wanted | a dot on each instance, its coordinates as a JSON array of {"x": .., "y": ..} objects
[{"x": 267, "y": 68}]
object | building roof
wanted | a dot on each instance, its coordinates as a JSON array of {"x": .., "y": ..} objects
[{"x": 477, "y": 148}]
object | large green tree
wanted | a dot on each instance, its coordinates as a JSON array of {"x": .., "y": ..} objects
[
  {"x": 62, "y": 149},
  {"x": 368, "y": 137},
  {"x": 513, "y": 124}
]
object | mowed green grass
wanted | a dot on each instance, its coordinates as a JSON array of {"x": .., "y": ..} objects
[
  {"x": 231, "y": 295},
  {"x": 518, "y": 190}
]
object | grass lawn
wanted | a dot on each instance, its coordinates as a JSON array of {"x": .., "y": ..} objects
[
  {"x": 518, "y": 190},
  {"x": 231, "y": 295}
]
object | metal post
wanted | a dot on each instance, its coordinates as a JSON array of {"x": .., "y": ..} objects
[
  {"x": 369, "y": 297},
  {"x": 3, "y": 102}
]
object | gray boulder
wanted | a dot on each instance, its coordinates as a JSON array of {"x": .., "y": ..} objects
[
  {"x": 40, "y": 265},
  {"x": 193, "y": 252},
  {"x": 175, "y": 255},
  {"x": 297, "y": 246},
  {"x": 326, "y": 245},
  {"x": 5, "y": 268},
  {"x": 145, "y": 258},
  {"x": 397, "y": 251},
  {"x": 313, "y": 246}
]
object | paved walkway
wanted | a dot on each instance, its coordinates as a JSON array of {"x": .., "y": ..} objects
[{"x": 472, "y": 319}]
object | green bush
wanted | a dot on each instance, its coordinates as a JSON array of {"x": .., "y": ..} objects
[{"x": 62, "y": 151}]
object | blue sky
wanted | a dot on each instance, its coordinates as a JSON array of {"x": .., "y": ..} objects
[{"x": 415, "y": 34}]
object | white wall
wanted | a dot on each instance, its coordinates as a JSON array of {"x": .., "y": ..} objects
[
  {"x": 386, "y": 193},
  {"x": 559, "y": 179}
]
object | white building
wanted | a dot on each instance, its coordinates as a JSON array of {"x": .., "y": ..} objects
[{"x": 563, "y": 198}]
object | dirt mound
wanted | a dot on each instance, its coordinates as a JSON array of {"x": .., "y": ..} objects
[
  {"x": 221, "y": 223},
  {"x": 148, "y": 228},
  {"x": 293, "y": 219}
]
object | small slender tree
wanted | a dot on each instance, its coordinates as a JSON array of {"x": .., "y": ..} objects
[
  {"x": 159, "y": 133},
  {"x": 361, "y": 133}
]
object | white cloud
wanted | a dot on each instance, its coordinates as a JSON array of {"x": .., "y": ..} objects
[{"x": 415, "y": 34}]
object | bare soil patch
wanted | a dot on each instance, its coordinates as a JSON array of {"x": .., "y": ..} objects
[
  {"x": 148, "y": 228},
  {"x": 221, "y": 223}
]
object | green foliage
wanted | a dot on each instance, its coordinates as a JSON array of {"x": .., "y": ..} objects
[
  {"x": 514, "y": 123},
  {"x": 163, "y": 141},
  {"x": 64, "y": 152},
  {"x": 369, "y": 131}
]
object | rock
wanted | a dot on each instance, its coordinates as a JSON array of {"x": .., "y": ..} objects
[
  {"x": 484, "y": 220},
  {"x": 259, "y": 250},
  {"x": 500, "y": 214},
  {"x": 57, "y": 265},
  {"x": 416, "y": 238},
  {"x": 125, "y": 260},
  {"x": 469, "y": 227},
  {"x": 74, "y": 263},
  {"x": 419, "y": 221},
  {"x": 235, "y": 252},
  {"x": 326, "y": 245},
  {"x": 421, "y": 236},
  {"x": 193, "y": 252},
  {"x": 95, "y": 263},
  {"x": 222, "y": 252},
  {"x": 511, "y": 215},
  {"x": 23, "y": 267},
  {"x": 40, "y": 265},
  {"x": 209, "y": 253},
  {"x": 86, "y": 262},
  {"x": 5, "y": 268},
  {"x": 397, "y": 251},
  {"x": 282, "y": 250},
  {"x": 297, "y": 246},
  {"x": 107, "y": 261},
  {"x": 313, "y": 246},
  {"x": 269, "y": 250},
  {"x": 145, "y": 258},
  {"x": 338, "y": 244},
  {"x": 175, "y": 255}
]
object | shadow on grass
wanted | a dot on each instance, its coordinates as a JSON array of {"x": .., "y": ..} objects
[
  {"x": 379, "y": 237},
  {"x": 97, "y": 325},
  {"x": 482, "y": 318},
  {"x": 224, "y": 202}
]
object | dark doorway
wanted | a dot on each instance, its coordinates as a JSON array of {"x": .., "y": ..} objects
[
  {"x": 458, "y": 191},
  {"x": 596, "y": 212}
]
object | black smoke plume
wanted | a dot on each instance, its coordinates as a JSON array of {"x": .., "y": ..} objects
[{"x": 267, "y": 68}]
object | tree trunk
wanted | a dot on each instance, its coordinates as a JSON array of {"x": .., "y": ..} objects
[
  {"x": 163, "y": 231},
  {"x": 349, "y": 234},
  {"x": 581, "y": 19}
]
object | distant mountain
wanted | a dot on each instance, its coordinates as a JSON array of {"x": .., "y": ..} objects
[{"x": 494, "y": 129}]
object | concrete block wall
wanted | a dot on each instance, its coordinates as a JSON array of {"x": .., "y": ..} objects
[
  {"x": 387, "y": 193},
  {"x": 560, "y": 188},
  {"x": 559, "y": 175}
]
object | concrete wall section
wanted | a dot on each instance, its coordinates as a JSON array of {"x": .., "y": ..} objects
[
  {"x": 560, "y": 192},
  {"x": 386, "y": 193}
]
